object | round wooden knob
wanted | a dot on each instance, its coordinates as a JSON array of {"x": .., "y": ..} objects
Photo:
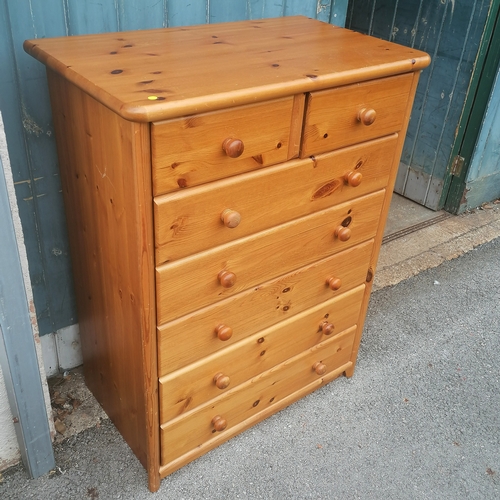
[
  {"x": 334, "y": 283},
  {"x": 319, "y": 368},
  {"x": 221, "y": 380},
  {"x": 353, "y": 178},
  {"x": 326, "y": 328},
  {"x": 230, "y": 218},
  {"x": 224, "y": 332},
  {"x": 367, "y": 116},
  {"x": 233, "y": 147},
  {"x": 219, "y": 423},
  {"x": 226, "y": 278},
  {"x": 343, "y": 233}
]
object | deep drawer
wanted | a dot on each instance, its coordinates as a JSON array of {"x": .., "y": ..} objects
[
  {"x": 342, "y": 116},
  {"x": 208, "y": 277},
  {"x": 206, "y": 379},
  {"x": 208, "y": 330},
  {"x": 258, "y": 395},
  {"x": 189, "y": 151},
  {"x": 210, "y": 215}
]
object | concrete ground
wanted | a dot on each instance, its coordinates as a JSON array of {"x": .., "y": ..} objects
[{"x": 420, "y": 418}]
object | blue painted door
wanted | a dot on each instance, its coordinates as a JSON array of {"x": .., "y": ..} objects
[{"x": 451, "y": 32}]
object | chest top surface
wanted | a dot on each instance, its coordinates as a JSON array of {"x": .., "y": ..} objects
[{"x": 164, "y": 73}]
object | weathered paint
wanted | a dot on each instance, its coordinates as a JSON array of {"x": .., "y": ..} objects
[
  {"x": 25, "y": 106},
  {"x": 483, "y": 177},
  {"x": 22, "y": 373},
  {"x": 450, "y": 31},
  {"x": 9, "y": 449},
  {"x": 486, "y": 159},
  {"x": 466, "y": 188}
]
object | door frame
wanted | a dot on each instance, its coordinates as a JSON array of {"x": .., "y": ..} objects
[
  {"x": 18, "y": 353},
  {"x": 476, "y": 103}
]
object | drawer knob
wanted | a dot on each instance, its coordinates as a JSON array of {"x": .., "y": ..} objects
[
  {"x": 343, "y": 233},
  {"x": 226, "y": 278},
  {"x": 367, "y": 116},
  {"x": 334, "y": 283},
  {"x": 224, "y": 332},
  {"x": 221, "y": 380},
  {"x": 219, "y": 423},
  {"x": 233, "y": 147},
  {"x": 326, "y": 328},
  {"x": 230, "y": 218},
  {"x": 353, "y": 178},
  {"x": 319, "y": 368}
]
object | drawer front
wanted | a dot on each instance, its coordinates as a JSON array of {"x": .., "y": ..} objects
[
  {"x": 208, "y": 277},
  {"x": 341, "y": 116},
  {"x": 206, "y": 379},
  {"x": 259, "y": 394},
  {"x": 232, "y": 208},
  {"x": 189, "y": 151},
  {"x": 208, "y": 330}
]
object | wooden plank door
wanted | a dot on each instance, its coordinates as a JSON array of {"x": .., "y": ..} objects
[
  {"x": 476, "y": 132},
  {"x": 451, "y": 32}
]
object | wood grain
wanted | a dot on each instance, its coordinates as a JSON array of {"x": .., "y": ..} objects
[
  {"x": 191, "y": 283},
  {"x": 221, "y": 437},
  {"x": 191, "y": 430},
  {"x": 107, "y": 191},
  {"x": 192, "y": 337},
  {"x": 305, "y": 187},
  {"x": 188, "y": 151},
  {"x": 331, "y": 119},
  {"x": 252, "y": 246},
  {"x": 381, "y": 223},
  {"x": 234, "y": 64},
  {"x": 193, "y": 385}
]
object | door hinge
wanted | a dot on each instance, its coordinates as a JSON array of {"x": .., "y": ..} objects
[{"x": 456, "y": 167}]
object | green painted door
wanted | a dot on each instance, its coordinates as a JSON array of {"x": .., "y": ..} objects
[{"x": 454, "y": 197}]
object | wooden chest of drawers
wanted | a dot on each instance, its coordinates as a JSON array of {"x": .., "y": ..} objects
[{"x": 226, "y": 189}]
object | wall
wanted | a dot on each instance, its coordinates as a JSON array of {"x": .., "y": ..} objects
[
  {"x": 483, "y": 178},
  {"x": 28, "y": 125}
]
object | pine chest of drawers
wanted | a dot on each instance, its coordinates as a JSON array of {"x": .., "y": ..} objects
[{"x": 226, "y": 188}]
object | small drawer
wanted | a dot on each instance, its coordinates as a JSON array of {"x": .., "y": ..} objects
[
  {"x": 201, "y": 148},
  {"x": 219, "y": 419},
  {"x": 193, "y": 385},
  {"x": 354, "y": 113},
  {"x": 208, "y": 330},
  {"x": 188, "y": 284},
  {"x": 229, "y": 209}
]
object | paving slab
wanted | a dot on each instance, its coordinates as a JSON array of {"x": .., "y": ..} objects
[{"x": 430, "y": 246}]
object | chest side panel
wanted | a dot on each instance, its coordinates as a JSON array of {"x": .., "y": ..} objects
[{"x": 105, "y": 174}]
